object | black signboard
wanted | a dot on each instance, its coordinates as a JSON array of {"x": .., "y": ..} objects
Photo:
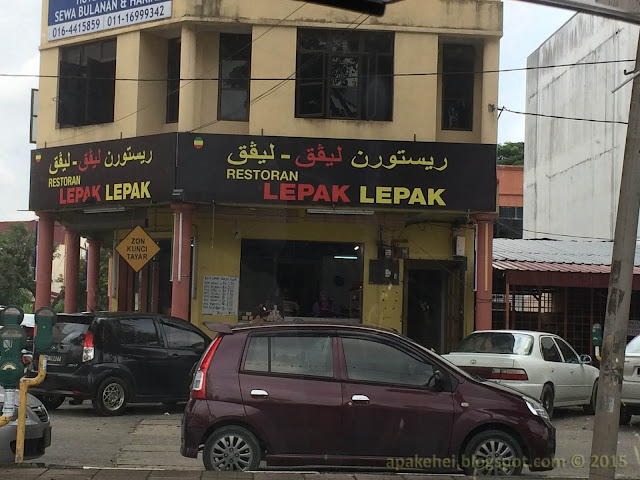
[
  {"x": 137, "y": 170},
  {"x": 337, "y": 173}
]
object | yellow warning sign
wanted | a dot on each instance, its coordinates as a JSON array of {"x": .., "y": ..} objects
[{"x": 137, "y": 248}]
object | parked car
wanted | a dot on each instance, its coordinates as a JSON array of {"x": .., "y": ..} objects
[
  {"x": 117, "y": 358},
  {"x": 542, "y": 365},
  {"x": 631, "y": 382},
  {"x": 335, "y": 394},
  {"x": 37, "y": 433}
]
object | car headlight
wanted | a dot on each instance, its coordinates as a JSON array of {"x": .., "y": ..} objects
[{"x": 537, "y": 409}]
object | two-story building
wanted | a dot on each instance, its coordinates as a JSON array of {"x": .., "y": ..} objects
[{"x": 279, "y": 154}]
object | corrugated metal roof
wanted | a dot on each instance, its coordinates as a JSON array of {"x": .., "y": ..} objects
[
  {"x": 555, "y": 252},
  {"x": 553, "y": 267}
]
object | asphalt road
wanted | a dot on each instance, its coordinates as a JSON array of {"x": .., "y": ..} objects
[{"x": 148, "y": 436}]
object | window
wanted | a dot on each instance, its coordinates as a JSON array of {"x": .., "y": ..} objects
[
  {"x": 235, "y": 75},
  {"x": 344, "y": 74},
  {"x": 291, "y": 355},
  {"x": 86, "y": 89},
  {"x": 507, "y": 343},
  {"x": 173, "y": 80},
  {"x": 458, "y": 65},
  {"x": 376, "y": 362},
  {"x": 138, "y": 331},
  {"x": 181, "y": 338},
  {"x": 549, "y": 350},
  {"x": 567, "y": 352},
  {"x": 633, "y": 347}
]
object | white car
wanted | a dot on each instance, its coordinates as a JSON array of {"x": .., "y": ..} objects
[
  {"x": 631, "y": 382},
  {"x": 541, "y": 365}
]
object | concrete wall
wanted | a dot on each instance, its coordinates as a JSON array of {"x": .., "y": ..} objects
[
  {"x": 510, "y": 185},
  {"x": 572, "y": 168}
]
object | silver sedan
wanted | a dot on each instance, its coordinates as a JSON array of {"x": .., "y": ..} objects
[
  {"x": 631, "y": 382},
  {"x": 37, "y": 434}
]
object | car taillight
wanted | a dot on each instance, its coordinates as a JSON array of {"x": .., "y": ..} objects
[
  {"x": 198, "y": 387},
  {"x": 87, "y": 349},
  {"x": 509, "y": 374}
]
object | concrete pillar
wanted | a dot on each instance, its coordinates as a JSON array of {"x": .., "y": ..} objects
[
  {"x": 490, "y": 59},
  {"x": 111, "y": 279},
  {"x": 44, "y": 249},
  {"x": 155, "y": 291},
  {"x": 144, "y": 288},
  {"x": 484, "y": 284},
  {"x": 71, "y": 271},
  {"x": 180, "y": 292},
  {"x": 188, "y": 60},
  {"x": 93, "y": 274},
  {"x": 121, "y": 291}
]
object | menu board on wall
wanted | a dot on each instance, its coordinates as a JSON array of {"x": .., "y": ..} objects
[{"x": 220, "y": 295}]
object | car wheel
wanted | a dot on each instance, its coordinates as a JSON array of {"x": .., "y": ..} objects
[
  {"x": 494, "y": 453},
  {"x": 625, "y": 416},
  {"x": 231, "y": 448},
  {"x": 546, "y": 398},
  {"x": 51, "y": 402},
  {"x": 590, "y": 408},
  {"x": 111, "y": 397}
]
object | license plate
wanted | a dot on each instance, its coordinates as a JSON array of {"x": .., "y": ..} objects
[{"x": 54, "y": 358}]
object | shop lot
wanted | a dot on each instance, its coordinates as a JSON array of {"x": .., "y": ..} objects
[{"x": 149, "y": 436}]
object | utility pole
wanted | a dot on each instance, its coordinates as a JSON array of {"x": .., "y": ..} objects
[{"x": 604, "y": 445}]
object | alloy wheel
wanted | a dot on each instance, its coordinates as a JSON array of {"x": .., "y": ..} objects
[
  {"x": 495, "y": 457},
  {"x": 113, "y": 396},
  {"x": 231, "y": 452}
]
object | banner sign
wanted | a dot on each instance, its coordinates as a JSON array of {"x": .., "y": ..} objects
[
  {"x": 345, "y": 173},
  {"x": 137, "y": 170},
  {"x": 69, "y": 18}
]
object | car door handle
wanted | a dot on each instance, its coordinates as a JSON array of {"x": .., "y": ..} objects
[
  {"x": 259, "y": 393},
  {"x": 360, "y": 399}
]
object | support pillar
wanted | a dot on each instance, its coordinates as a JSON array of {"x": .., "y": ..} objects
[
  {"x": 93, "y": 274},
  {"x": 44, "y": 249},
  {"x": 180, "y": 292},
  {"x": 188, "y": 107},
  {"x": 484, "y": 283},
  {"x": 144, "y": 289},
  {"x": 121, "y": 291},
  {"x": 71, "y": 271}
]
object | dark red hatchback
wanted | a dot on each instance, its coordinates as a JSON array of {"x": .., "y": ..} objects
[{"x": 343, "y": 395}]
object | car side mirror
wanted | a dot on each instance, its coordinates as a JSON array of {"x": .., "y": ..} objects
[
  {"x": 436, "y": 380},
  {"x": 585, "y": 359}
]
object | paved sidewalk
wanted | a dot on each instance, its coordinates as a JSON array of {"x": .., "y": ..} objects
[{"x": 35, "y": 473}]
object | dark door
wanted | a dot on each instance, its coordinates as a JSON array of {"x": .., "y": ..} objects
[
  {"x": 184, "y": 348},
  {"x": 424, "y": 308},
  {"x": 143, "y": 353},
  {"x": 290, "y": 393},
  {"x": 390, "y": 409}
]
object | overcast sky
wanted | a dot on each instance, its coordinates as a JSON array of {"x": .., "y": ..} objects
[{"x": 525, "y": 27}]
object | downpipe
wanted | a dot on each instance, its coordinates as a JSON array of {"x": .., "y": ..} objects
[{"x": 25, "y": 383}]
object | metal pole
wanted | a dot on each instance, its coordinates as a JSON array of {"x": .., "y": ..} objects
[
  {"x": 25, "y": 383},
  {"x": 605, "y": 432}
]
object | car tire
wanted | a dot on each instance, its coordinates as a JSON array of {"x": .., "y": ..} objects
[
  {"x": 590, "y": 408},
  {"x": 51, "y": 402},
  {"x": 232, "y": 448},
  {"x": 492, "y": 449},
  {"x": 111, "y": 397},
  {"x": 546, "y": 398},
  {"x": 625, "y": 416}
]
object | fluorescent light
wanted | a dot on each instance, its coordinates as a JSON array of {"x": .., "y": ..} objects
[
  {"x": 104, "y": 210},
  {"x": 345, "y": 257},
  {"x": 330, "y": 211},
  {"x": 356, "y": 248}
]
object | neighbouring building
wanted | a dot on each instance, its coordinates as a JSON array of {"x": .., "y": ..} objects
[
  {"x": 276, "y": 153},
  {"x": 510, "y": 185}
]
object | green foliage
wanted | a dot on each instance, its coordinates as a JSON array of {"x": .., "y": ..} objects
[
  {"x": 103, "y": 284},
  {"x": 511, "y": 153},
  {"x": 17, "y": 251}
]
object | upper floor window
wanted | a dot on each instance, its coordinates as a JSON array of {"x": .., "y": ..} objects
[
  {"x": 173, "y": 80},
  {"x": 86, "y": 89},
  {"x": 458, "y": 64},
  {"x": 344, "y": 74},
  {"x": 235, "y": 75}
]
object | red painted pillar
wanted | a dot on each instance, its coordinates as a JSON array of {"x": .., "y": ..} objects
[
  {"x": 93, "y": 274},
  {"x": 44, "y": 260},
  {"x": 155, "y": 291},
  {"x": 122, "y": 292},
  {"x": 180, "y": 294},
  {"x": 484, "y": 284},
  {"x": 144, "y": 288},
  {"x": 71, "y": 271},
  {"x": 110, "y": 280}
]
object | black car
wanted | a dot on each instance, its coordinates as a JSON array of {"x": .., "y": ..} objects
[{"x": 117, "y": 358}]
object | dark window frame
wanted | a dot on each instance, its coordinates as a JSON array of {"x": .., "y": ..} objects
[
  {"x": 78, "y": 105},
  {"x": 328, "y": 53},
  {"x": 241, "y": 51},
  {"x": 173, "y": 79},
  {"x": 464, "y": 71},
  {"x": 557, "y": 349}
]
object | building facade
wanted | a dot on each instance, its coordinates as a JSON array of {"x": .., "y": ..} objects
[
  {"x": 572, "y": 168},
  {"x": 283, "y": 157},
  {"x": 510, "y": 202}
]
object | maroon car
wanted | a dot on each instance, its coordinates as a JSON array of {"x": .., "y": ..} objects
[{"x": 344, "y": 395}]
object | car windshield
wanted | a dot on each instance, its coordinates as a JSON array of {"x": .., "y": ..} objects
[
  {"x": 496, "y": 342},
  {"x": 633, "y": 347}
]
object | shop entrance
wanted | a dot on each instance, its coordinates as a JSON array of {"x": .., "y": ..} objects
[{"x": 433, "y": 304}]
